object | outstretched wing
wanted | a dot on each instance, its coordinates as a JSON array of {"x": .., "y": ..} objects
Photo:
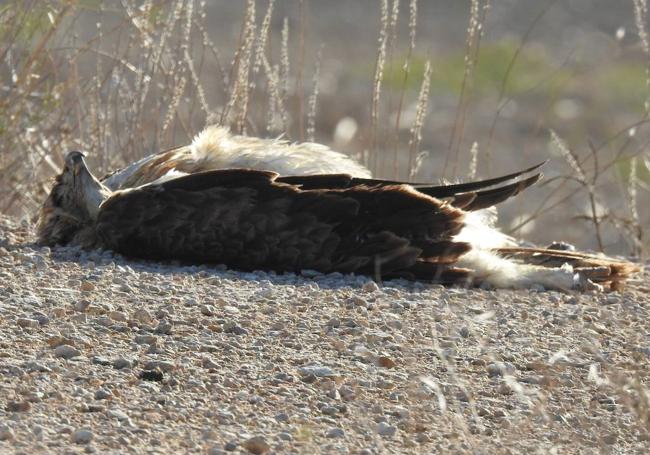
[
  {"x": 251, "y": 219},
  {"x": 468, "y": 196}
]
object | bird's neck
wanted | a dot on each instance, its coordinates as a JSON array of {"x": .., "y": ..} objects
[{"x": 93, "y": 194}]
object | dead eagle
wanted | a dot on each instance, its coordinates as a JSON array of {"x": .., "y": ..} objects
[{"x": 255, "y": 203}]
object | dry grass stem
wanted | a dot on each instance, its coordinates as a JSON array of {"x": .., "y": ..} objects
[
  {"x": 641, "y": 22},
  {"x": 477, "y": 13},
  {"x": 420, "y": 113},
  {"x": 216, "y": 55},
  {"x": 632, "y": 202},
  {"x": 238, "y": 104},
  {"x": 313, "y": 99},
  {"x": 581, "y": 178},
  {"x": 473, "y": 161},
  {"x": 173, "y": 105},
  {"x": 302, "y": 32},
  {"x": 276, "y": 115},
  {"x": 502, "y": 102},
  {"x": 406, "y": 68},
  {"x": 570, "y": 157},
  {"x": 263, "y": 37},
  {"x": 285, "y": 69},
  {"x": 379, "y": 74}
]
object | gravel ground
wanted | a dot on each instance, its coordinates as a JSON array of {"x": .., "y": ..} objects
[{"x": 99, "y": 354}]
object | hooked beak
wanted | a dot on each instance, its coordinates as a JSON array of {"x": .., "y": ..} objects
[{"x": 75, "y": 162}]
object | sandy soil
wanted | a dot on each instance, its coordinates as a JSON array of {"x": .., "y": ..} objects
[{"x": 101, "y": 354}]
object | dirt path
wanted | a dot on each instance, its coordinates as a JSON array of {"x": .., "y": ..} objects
[{"x": 100, "y": 354}]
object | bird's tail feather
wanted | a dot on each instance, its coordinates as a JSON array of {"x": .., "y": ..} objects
[{"x": 599, "y": 269}]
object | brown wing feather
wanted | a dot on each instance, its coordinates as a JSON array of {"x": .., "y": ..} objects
[
  {"x": 488, "y": 198},
  {"x": 248, "y": 220},
  {"x": 439, "y": 191},
  {"x": 468, "y": 196}
]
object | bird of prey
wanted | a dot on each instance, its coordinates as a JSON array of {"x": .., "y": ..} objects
[{"x": 265, "y": 204}]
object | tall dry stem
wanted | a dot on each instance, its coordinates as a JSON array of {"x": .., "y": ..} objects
[
  {"x": 276, "y": 114},
  {"x": 377, "y": 80},
  {"x": 641, "y": 22},
  {"x": 581, "y": 177},
  {"x": 313, "y": 99},
  {"x": 478, "y": 10},
  {"x": 263, "y": 37},
  {"x": 502, "y": 102},
  {"x": 406, "y": 68},
  {"x": 632, "y": 203},
  {"x": 240, "y": 91},
  {"x": 420, "y": 113},
  {"x": 473, "y": 161},
  {"x": 302, "y": 37},
  {"x": 285, "y": 73}
]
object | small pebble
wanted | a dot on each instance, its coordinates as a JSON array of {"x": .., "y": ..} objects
[
  {"x": 282, "y": 417},
  {"x": 385, "y": 362},
  {"x": 27, "y": 323},
  {"x": 119, "y": 316},
  {"x": 334, "y": 323},
  {"x": 102, "y": 394},
  {"x": 37, "y": 366},
  {"x": 208, "y": 310},
  {"x": 329, "y": 410},
  {"x": 117, "y": 414},
  {"x": 335, "y": 433},
  {"x": 164, "y": 328},
  {"x": 121, "y": 363},
  {"x": 87, "y": 286},
  {"x": 159, "y": 365},
  {"x": 143, "y": 316},
  {"x": 231, "y": 327},
  {"x": 500, "y": 369},
  {"x": 151, "y": 375},
  {"x": 209, "y": 363},
  {"x": 318, "y": 371},
  {"x": 6, "y": 433},
  {"x": 145, "y": 339},
  {"x": 504, "y": 389},
  {"x": 81, "y": 436},
  {"x": 383, "y": 429},
  {"x": 19, "y": 406},
  {"x": 610, "y": 438},
  {"x": 66, "y": 351},
  {"x": 370, "y": 286},
  {"x": 256, "y": 445},
  {"x": 42, "y": 319},
  {"x": 99, "y": 360},
  {"x": 81, "y": 305}
]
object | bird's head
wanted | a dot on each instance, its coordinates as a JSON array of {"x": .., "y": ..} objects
[{"x": 73, "y": 203}]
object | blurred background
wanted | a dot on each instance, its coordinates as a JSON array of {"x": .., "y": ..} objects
[{"x": 417, "y": 90}]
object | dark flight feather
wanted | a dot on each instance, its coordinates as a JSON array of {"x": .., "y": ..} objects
[
  {"x": 311, "y": 182},
  {"x": 468, "y": 196}
]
